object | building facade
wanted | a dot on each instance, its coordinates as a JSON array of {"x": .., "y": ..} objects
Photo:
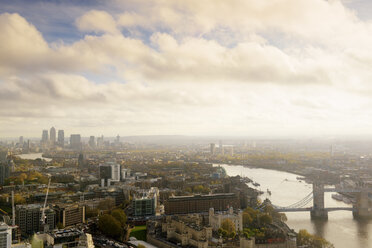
[
  {"x": 69, "y": 214},
  {"x": 200, "y": 203},
  {"x": 28, "y": 218},
  {"x": 217, "y": 218},
  {"x": 75, "y": 142},
  {"x": 5, "y": 236}
]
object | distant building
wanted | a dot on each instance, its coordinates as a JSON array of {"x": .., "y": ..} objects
[
  {"x": 75, "y": 142},
  {"x": 61, "y": 138},
  {"x": 21, "y": 141},
  {"x": 52, "y": 133},
  {"x": 81, "y": 161},
  {"x": 92, "y": 142},
  {"x": 213, "y": 148},
  {"x": 221, "y": 148},
  {"x": 105, "y": 174},
  {"x": 28, "y": 218},
  {"x": 45, "y": 137},
  {"x": 100, "y": 141},
  {"x": 69, "y": 214},
  {"x": 200, "y": 203},
  {"x": 109, "y": 172},
  {"x": 5, "y": 236},
  {"x": 115, "y": 172}
]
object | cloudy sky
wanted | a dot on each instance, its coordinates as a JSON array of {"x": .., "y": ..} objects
[{"x": 211, "y": 67}]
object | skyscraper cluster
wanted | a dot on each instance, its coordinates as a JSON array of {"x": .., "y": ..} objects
[{"x": 50, "y": 140}]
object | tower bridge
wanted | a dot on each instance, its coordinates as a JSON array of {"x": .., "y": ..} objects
[{"x": 361, "y": 209}]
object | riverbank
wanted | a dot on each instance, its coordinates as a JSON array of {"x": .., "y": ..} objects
[{"x": 340, "y": 229}]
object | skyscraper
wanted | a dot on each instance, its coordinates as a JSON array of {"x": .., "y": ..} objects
[
  {"x": 45, "y": 137},
  {"x": 213, "y": 148},
  {"x": 75, "y": 141},
  {"x": 221, "y": 148},
  {"x": 61, "y": 138},
  {"x": 52, "y": 136},
  {"x": 92, "y": 142},
  {"x": 20, "y": 141}
]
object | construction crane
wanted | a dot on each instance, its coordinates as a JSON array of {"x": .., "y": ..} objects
[
  {"x": 13, "y": 209},
  {"x": 43, "y": 217}
]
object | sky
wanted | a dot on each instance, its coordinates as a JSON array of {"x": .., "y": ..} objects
[{"x": 272, "y": 68}]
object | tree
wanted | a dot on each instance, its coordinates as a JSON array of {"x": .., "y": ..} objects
[
  {"x": 60, "y": 225},
  {"x": 247, "y": 219},
  {"x": 228, "y": 225},
  {"x": 304, "y": 238},
  {"x": 266, "y": 219},
  {"x": 110, "y": 226},
  {"x": 119, "y": 215},
  {"x": 18, "y": 199},
  {"x": 141, "y": 246}
]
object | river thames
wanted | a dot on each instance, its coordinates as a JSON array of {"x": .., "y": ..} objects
[{"x": 340, "y": 229}]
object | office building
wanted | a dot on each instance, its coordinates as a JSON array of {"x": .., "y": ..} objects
[
  {"x": 115, "y": 172},
  {"x": 92, "y": 142},
  {"x": 28, "y": 218},
  {"x": 45, "y": 137},
  {"x": 69, "y": 214},
  {"x": 52, "y": 134},
  {"x": 75, "y": 142},
  {"x": 109, "y": 172},
  {"x": 5, "y": 236},
  {"x": 61, "y": 138},
  {"x": 20, "y": 141},
  {"x": 221, "y": 148},
  {"x": 212, "y": 148},
  {"x": 100, "y": 142},
  {"x": 146, "y": 204},
  {"x": 200, "y": 203},
  {"x": 4, "y": 172},
  {"x": 105, "y": 174}
]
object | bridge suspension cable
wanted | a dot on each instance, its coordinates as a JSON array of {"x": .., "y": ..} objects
[{"x": 301, "y": 203}]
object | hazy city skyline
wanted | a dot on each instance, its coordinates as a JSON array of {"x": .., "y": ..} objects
[{"x": 265, "y": 68}]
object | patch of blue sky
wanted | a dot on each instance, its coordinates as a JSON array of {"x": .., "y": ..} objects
[{"x": 109, "y": 75}]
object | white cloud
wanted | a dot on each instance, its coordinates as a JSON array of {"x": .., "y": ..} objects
[
  {"x": 97, "y": 21},
  {"x": 193, "y": 67}
]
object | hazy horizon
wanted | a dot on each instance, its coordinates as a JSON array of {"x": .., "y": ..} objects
[{"x": 287, "y": 68}]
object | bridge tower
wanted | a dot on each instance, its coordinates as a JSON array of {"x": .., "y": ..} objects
[
  {"x": 363, "y": 209},
  {"x": 318, "y": 211}
]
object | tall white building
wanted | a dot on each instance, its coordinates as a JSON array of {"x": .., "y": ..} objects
[
  {"x": 115, "y": 172},
  {"x": 5, "y": 236}
]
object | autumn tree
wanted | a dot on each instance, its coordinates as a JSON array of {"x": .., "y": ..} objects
[{"x": 110, "y": 226}]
